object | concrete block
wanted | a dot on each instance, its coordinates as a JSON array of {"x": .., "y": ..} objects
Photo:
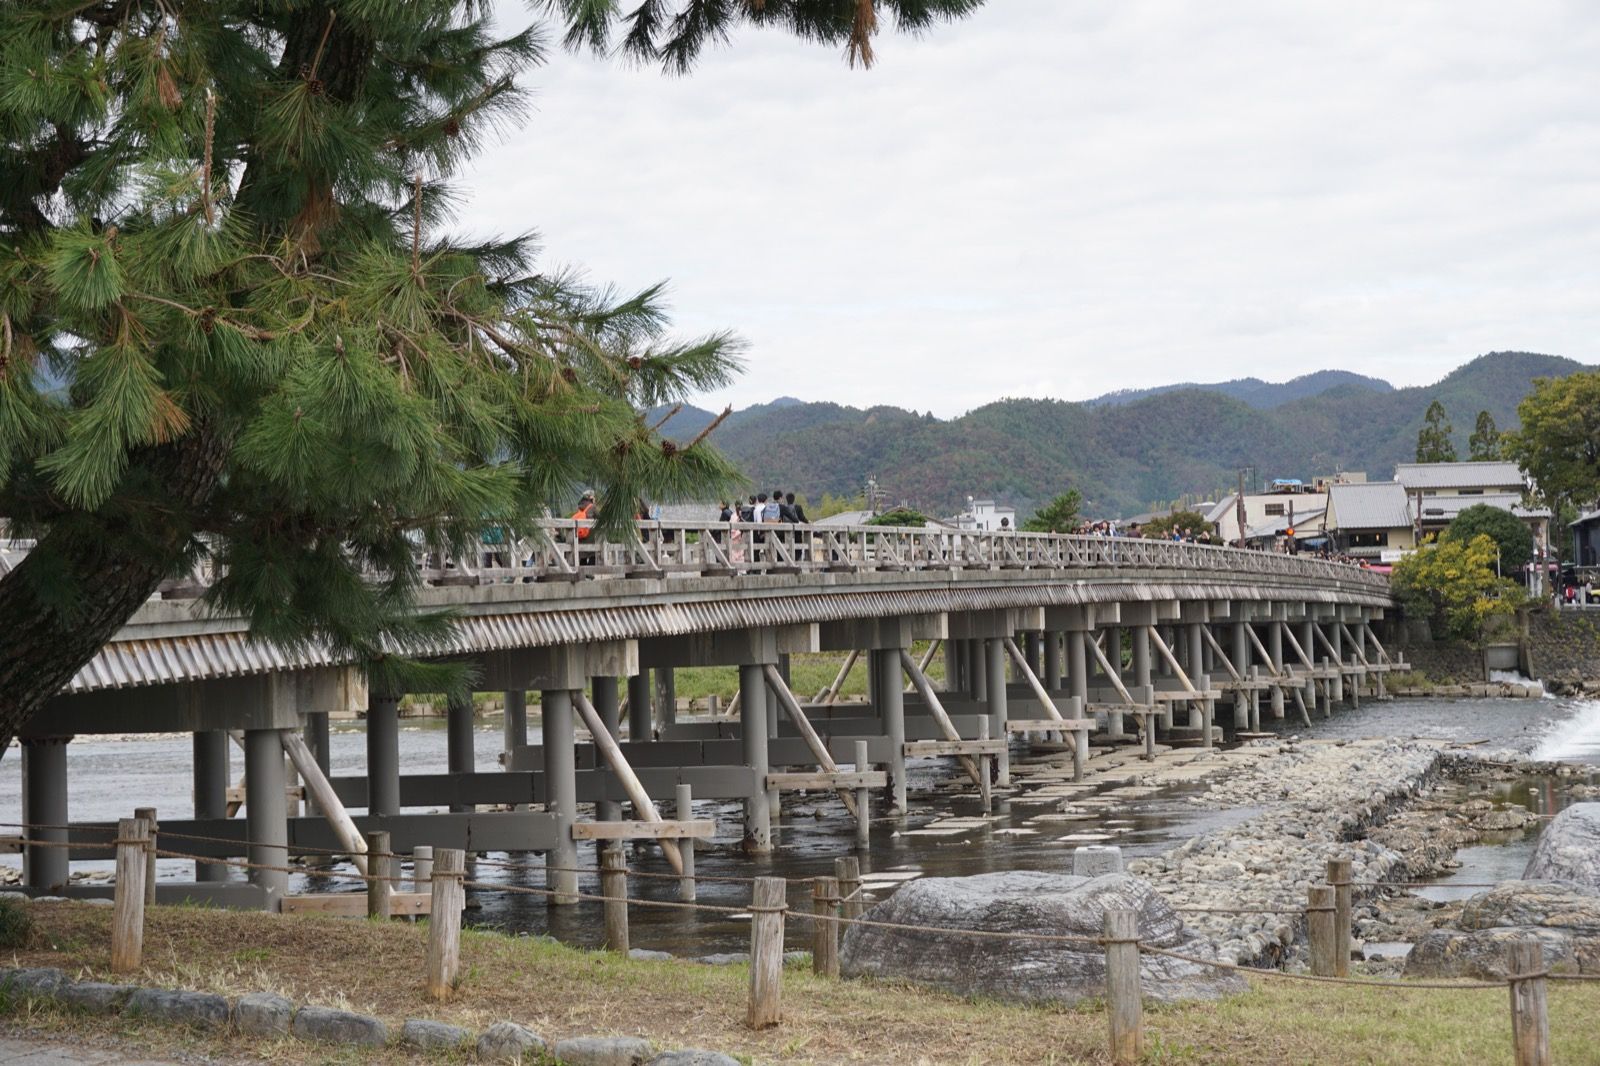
[
  {"x": 603, "y": 1051},
  {"x": 1094, "y": 860},
  {"x": 338, "y": 1027},
  {"x": 96, "y": 997},
  {"x": 263, "y": 1014},
  {"x": 202, "y": 1010},
  {"x": 510, "y": 1042},
  {"x": 433, "y": 1036}
]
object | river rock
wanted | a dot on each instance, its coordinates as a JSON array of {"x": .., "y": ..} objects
[
  {"x": 1563, "y": 917},
  {"x": 433, "y": 1036},
  {"x": 1569, "y": 850},
  {"x": 1032, "y": 971}
]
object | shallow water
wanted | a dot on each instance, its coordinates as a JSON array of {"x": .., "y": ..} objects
[{"x": 110, "y": 777}]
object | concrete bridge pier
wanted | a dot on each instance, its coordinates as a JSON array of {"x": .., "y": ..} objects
[
  {"x": 559, "y": 744},
  {"x": 315, "y": 732},
  {"x": 753, "y": 734},
  {"x": 459, "y": 740},
  {"x": 1238, "y": 654},
  {"x": 1336, "y": 641},
  {"x": 1275, "y": 651},
  {"x": 211, "y": 779},
  {"x": 514, "y": 728},
  {"x": 890, "y": 702},
  {"x": 383, "y": 754},
  {"x": 266, "y": 812},
  {"x": 1196, "y": 668},
  {"x": 640, "y": 713},
  {"x": 977, "y": 671},
  {"x": 666, "y": 698},
  {"x": 44, "y": 805},
  {"x": 1033, "y": 651},
  {"x": 1054, "y": 670}
]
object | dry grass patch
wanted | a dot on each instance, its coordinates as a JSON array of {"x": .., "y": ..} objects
[{"x": 561, "y": 991}]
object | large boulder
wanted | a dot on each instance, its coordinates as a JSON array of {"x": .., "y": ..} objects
[
  {"x": 1563, "y": 917},
  {"x": 1569, "y": 848},
  {"x": 1026, "y": 970}
]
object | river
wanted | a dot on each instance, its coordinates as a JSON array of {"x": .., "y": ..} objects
[{"x": 111, "y": 776}]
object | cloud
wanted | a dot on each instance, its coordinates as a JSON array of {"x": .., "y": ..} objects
[{"x": 1078, "y": 197}]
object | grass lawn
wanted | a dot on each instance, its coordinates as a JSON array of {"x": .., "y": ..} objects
[{"x": 561, "y": 991}]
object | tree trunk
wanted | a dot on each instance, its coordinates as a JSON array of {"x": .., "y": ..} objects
[{"x": 91, "y": 572}]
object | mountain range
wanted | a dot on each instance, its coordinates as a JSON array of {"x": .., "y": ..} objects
[{"x": 1126, "y": 451}]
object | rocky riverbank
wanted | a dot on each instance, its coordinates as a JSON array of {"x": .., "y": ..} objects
[{"x": 1318, "y": 801}]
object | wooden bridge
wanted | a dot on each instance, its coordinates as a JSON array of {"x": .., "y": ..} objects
[{"x": 1045, "y": 638}]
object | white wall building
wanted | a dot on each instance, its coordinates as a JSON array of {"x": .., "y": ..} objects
[{"x": 986, "y": 515}]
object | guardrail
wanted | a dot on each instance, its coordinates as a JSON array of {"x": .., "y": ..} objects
[{"x": 565, "y": 549}]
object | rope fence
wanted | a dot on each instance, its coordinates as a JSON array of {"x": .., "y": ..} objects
[{"x": 837, "y": 905}]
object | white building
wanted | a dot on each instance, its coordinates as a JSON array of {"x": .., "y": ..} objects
[{"x": 986, "y": 515}]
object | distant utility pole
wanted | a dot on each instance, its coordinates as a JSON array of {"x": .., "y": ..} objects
[{"x": 1238, "y": 504}]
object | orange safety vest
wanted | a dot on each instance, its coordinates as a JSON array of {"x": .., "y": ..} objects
[{"x": 583, "y": 514}]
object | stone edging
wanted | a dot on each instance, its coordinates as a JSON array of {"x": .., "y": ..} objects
[{"x": 262, "y": 1014}]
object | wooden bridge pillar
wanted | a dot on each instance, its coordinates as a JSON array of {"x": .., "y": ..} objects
[
  {"x": 753, "y": 733},
  {"x": 608, "y": 704},
  {"x": 666, "y": 697},
  {"x": 561, "y": 792},
  {"x": 211, "y": 776},
  {"x": 266, "y": 812},
  {"x": 383, "y": 754},
  {"x": 44, "y": 805}
]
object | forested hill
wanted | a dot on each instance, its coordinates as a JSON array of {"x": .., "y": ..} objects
[
  {"x": 1122, "y": 456},
  {"x": 1254, "y": 391}
]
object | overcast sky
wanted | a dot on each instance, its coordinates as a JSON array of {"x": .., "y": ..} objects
[{"x": 1057, "y": 198}]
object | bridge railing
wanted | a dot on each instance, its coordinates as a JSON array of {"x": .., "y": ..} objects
[{"x": 565, "y": 549}]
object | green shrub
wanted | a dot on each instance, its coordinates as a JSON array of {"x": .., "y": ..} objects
[{"x": 16, "y": 924}]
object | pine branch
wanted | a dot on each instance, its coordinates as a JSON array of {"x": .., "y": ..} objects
[{"x": 715, "y": 422}]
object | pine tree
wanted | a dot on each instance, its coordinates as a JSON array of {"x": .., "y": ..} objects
[
  {"x": 1060, "y": 515},
  {"x": 1484, "y": 444},
  {"x": 234, "y": 330},
  {"x": 1433, "y": 439},
  {"x": 674, "y": 32}
]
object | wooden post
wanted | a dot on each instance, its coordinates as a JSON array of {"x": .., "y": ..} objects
[
  {"x": 825, "y": 934},
  {"x": 380, "y": 890},
  {"x": 614, "y": 887},
  {"x": 1530, "y": 1021},
  {"x": 1320, "y": 929},
  {"x": 127, "y": 918},
  {"x": 847, "y": 870},
  {"x": 1339, "y": 878},
  {"x": 444, "y": 923},
  {"x": 1124, "y": 1009},
  {"x": 767, "y": 904},
  {"x": 985, "y": 789},
  {"x": 684, "y": 808},
  {"x": 421, "y": 867},
  {"x": 149, "y": 816},
  {"x": 863, "y": 809}
]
